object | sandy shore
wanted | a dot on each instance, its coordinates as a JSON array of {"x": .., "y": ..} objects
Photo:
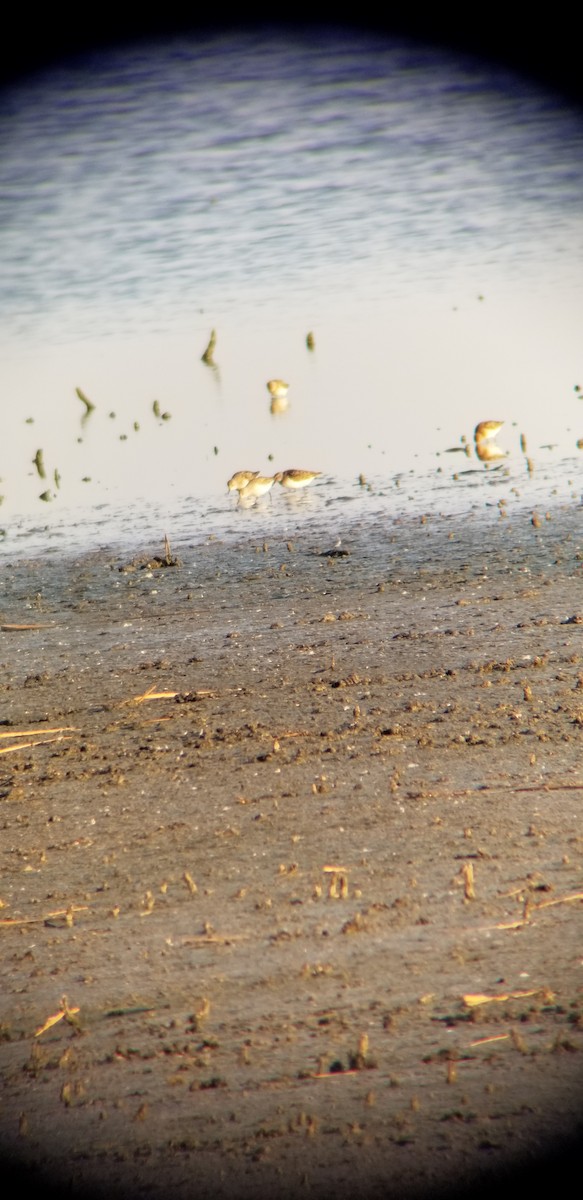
[{"x": 298, "y": 838}]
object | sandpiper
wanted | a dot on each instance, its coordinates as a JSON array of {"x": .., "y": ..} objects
[
  {"x": 486, "y": 430},
  {"x": 297, "y": 479},
  {"x": 258, "y": 486},
  {"x": 277, "y": 388},
  {"x": 240, "y": 480}
]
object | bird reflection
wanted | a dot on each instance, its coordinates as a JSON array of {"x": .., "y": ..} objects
[
  {"x": 489, "y": 451},
  {"x": 486, "y": 448}
]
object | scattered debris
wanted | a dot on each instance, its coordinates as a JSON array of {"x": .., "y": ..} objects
[
  {"x": 66, "y": 1012},
  {"x": 89, "y": 406},
  {"x": 208, "y": 356}
]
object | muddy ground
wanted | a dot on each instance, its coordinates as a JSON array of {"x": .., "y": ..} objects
[{"x": 270, "y": 819}]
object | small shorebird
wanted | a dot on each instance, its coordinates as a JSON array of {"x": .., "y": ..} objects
[
  {"x": 486, "y": 430},
  {"x": 277, "y": 388},
  {"x": 240, "y": 480},
  {"x": 258, "y": 486},
  {"x": 297, "y": 479}
]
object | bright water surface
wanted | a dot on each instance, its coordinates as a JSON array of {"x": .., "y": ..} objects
[{"x": 422, "y": 214}]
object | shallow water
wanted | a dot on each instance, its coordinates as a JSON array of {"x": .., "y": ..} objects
[{"x": 420, "y": 212}]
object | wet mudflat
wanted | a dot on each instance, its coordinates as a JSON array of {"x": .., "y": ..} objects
[{"x": 292, "y": 848}]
